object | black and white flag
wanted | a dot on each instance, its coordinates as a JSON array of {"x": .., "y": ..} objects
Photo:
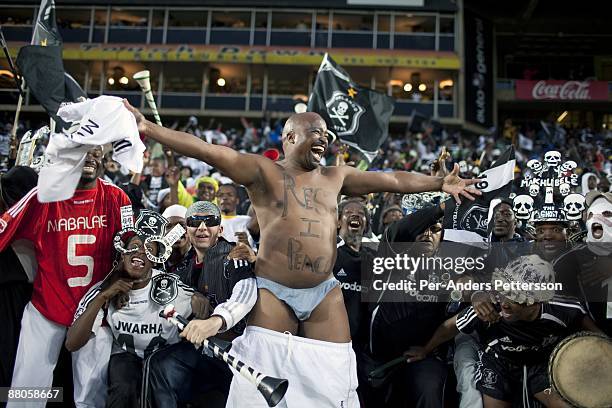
[
  {"x": 358, "y": 116},
  {"x": 45, "y": 31},
  {"x": 41, "y": 65},
  {"x": 469, "y": 221}
]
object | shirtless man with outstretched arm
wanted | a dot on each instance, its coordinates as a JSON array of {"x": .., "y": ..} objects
[{"x": 296, "y": 204}]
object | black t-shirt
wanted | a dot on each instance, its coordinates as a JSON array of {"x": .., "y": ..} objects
[
  {"x": 153, "y": 184},
  {"x": 347, "y": 270},
  {"x": 182, "y": 267},
  {"x": 11, "y": 269},
  {"x": 525, "y": 342},
  {"x": 397, "y": 325},
  {"x": 587, "y": 276}
]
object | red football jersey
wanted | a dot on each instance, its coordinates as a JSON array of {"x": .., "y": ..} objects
[{"x": 73, "y": 240}]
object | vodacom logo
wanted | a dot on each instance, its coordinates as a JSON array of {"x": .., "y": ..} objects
[{"x": 566, "y": 90}]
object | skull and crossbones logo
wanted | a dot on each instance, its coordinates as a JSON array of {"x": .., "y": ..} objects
[
  {"x": 340, "y": 112},
  {"x": 150, "y": 224},
  {"x": 536, "y": 166},
  {"x": 163, "y": 287},
  {"x": 344, "y": 113}
]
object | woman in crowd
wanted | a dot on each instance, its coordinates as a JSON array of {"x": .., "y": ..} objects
[{"x": 125, "y": 302}]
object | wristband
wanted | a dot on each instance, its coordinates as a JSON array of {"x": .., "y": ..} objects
[{"x": 223, "y": 327}]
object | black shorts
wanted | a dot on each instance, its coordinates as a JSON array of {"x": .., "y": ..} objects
[{"x": 503, "y": 380}]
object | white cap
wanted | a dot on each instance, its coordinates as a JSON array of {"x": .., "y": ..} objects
[{"x": 175, "y": 211}]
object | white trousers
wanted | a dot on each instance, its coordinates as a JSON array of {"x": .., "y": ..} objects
[
  {"x": 40, "y": 343},
  {"x": 90, "y": 370},
  {"x": 320, "y": 373}
]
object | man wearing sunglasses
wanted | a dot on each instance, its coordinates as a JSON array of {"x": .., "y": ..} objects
[
  {"x": 222, "y": 272},
  {"x": 296, "y": 204}
]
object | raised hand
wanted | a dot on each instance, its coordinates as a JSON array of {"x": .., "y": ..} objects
[
  {"x": 456, "y": 186},
  {"x": 438, "y": 167},
  {"x": 484, "y": 308},
  {"x": 242, "y": 251},
  {"x": 173, "y": 176},
  {"x": 340, "y": 157}
]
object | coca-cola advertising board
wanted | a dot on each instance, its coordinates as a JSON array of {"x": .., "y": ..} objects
[{"x": 562, "y": 90}]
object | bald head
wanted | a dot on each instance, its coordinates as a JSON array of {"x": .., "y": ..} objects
[
  {"x": 304, "y": 120},
  {"x": 305, "y": 139}
]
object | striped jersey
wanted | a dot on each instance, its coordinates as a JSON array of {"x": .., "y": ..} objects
[
  {"x": 73, "y": 243},
  {"x": 525, "y": 342},
  {"x": 137, "y": 327}
]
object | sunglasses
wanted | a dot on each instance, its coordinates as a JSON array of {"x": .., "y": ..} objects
[{"x": 209, "y": 220}]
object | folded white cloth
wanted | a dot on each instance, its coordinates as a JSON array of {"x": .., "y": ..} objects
[{"x": 100, "y": 120}]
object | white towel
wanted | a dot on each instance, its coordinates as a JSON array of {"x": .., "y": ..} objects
[{"x": 101, "y": 120}]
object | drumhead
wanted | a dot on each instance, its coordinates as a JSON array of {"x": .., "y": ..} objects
[{"x": 580, "y": 370}]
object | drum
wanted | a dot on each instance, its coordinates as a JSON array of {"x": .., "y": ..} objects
[{"x": 580, "y": 370}]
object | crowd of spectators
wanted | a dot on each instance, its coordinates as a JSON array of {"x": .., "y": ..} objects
[
  {"x": 414, "y": 150},
  {"x": 366, "y": 226}
]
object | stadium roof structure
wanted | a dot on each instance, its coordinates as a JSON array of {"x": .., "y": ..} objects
[
  {"x": 416, "y": 5},
  {"x": 544, "y": 28}
]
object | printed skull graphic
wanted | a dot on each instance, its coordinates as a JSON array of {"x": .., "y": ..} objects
[
  {"x": 573, "y": 205},
  {"x": 552, "y": 158},
  {"x": 568, "y": 165},
  {"x": 564, "y": 189},
  {"x": 534, "y": 165},
  {"x": 342, "y": 108},
  {"x": 522, "y": 206}
]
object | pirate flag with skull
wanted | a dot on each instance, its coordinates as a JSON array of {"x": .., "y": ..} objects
[{"x": 358, "y": 116}]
